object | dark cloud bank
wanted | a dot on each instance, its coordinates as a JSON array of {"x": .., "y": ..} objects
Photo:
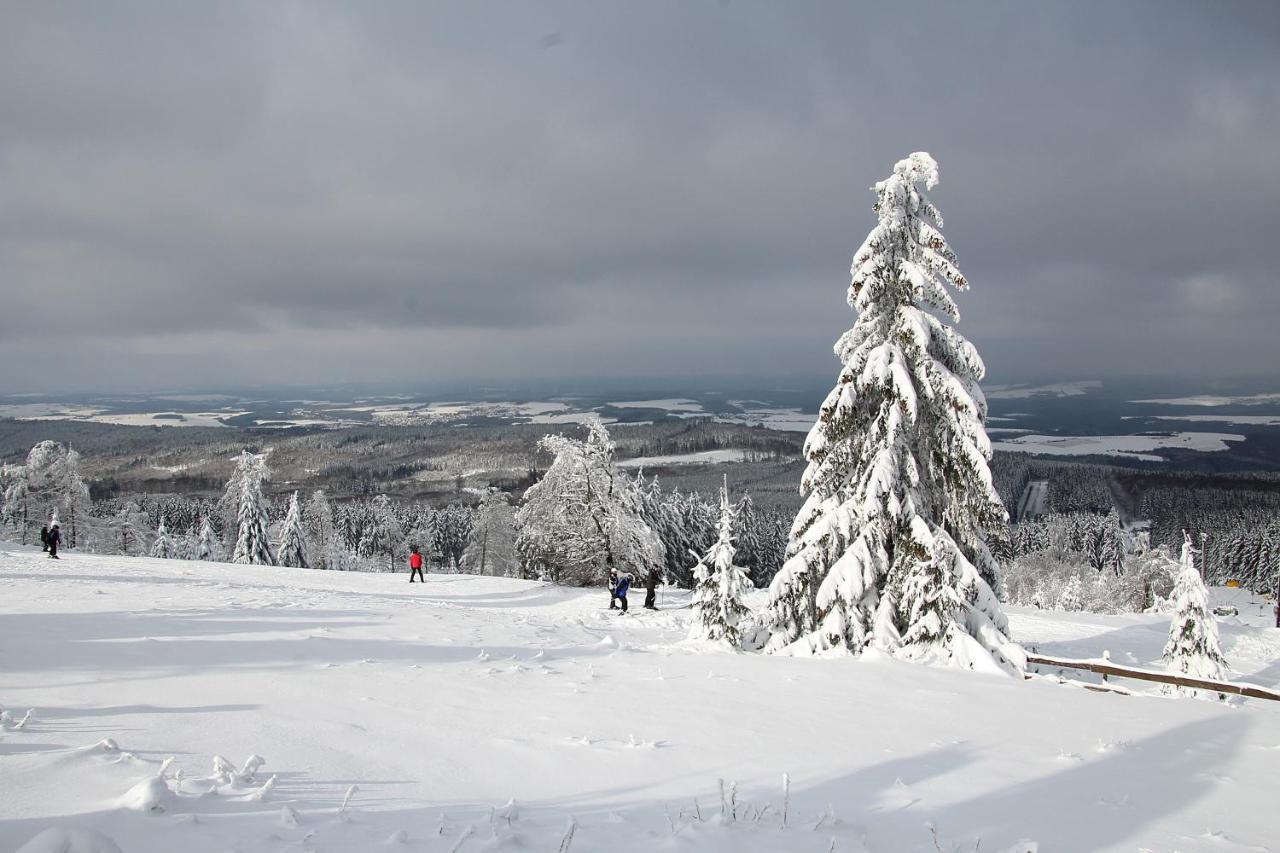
[{"x": 200, "y": 194}]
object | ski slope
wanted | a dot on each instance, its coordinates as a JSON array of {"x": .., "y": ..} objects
[{"x": 483, "y": 714}]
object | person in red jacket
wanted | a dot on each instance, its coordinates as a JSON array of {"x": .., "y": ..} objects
[{"x": 415, "y": 565}]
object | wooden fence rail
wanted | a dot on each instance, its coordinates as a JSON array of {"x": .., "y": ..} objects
[{"x": 1253, "y": 691}]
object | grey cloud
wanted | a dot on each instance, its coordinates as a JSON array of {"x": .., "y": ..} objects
[{"x": 659, "y": 188}]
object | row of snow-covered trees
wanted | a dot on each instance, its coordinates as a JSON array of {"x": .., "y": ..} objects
[{"x": 376, "y": 533}]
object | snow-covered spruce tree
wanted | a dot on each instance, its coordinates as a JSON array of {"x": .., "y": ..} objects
[
  {"x": 889, "y": 547},
  {"x": 584, "y": 517},
  {"x": 208, "y": 546},
  {"x": 720, "y": 586},
  {"x": 253, "y": 543},
  {"x": 491, "y": 549},
  {"x": 164, "y": 547},
  {"x": 1193, "y": 634},
  {"x": 292, "y": 548}
]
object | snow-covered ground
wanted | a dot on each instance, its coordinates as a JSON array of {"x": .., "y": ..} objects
[
  {"x": 54, "y": 412},
  {"x": 1134, "y": 446},
  {"x": 1214, "y": 400},
  {"x": 1061, "y": 389},
  {"x": 427, "y": 708},
  {"x": 1247, "y": 420},
  {"x": 700, "y": 457}
]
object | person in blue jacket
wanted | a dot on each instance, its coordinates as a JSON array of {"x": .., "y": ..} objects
[{"x": 620, "y": 591}]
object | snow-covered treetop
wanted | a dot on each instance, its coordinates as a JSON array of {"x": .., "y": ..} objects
[{"x": 906, "y": 247}]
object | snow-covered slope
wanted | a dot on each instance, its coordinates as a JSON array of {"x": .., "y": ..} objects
[{"x": 429, "y": 708}]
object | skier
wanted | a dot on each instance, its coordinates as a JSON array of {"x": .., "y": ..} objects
[
  {"x": 44, "y": 538},
  {"x": 624, "y": 584},
  {"x": 415, "y": 565},
  {"x": 650, "y": 590},
  {"x": 55, "y": 536},
  {"x": 613, "y": 589}
]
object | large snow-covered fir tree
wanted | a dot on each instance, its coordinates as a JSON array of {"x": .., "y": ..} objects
[
  {"x": 292, "y": 548},
  {"x": 253, "y": 543},
  {"x": 889, "y": 547},
  {"x": 1193, "y": 633},
  {"x": 584, "y": 517},
  {"x": 720, "y": 586}
]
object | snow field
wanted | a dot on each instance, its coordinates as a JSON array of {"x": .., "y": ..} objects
[
  {"x": 475, "y": 714},
  {"x": 1135, "y": 446}
]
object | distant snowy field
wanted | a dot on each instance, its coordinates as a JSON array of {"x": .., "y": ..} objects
[
  {"x": 433, "y": 706},
  {"x": 1133, "y": 446}
]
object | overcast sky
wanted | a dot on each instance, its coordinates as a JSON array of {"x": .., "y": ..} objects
[{"x": 197, "y": 194}]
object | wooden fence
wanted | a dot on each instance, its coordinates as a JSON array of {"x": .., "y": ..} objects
[{"x": 1103, "y": 667}]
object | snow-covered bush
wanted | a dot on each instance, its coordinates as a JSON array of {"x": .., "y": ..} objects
[{"x": 1054, "y": 579}]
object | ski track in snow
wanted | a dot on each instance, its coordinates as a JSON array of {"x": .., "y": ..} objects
[{"x": 182, "y": 706}]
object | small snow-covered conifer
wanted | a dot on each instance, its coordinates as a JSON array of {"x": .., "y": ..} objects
[
  {"x": 253, "y": 543},
  {"x": 719, "y": 585},
  {"x": 292, "y": 548},
  {"x": 1193, "y": 634},
  {"x": 208, "y": 546},
  {"x": 889, "y": 548},
  {"x": 164, "y": 547}
]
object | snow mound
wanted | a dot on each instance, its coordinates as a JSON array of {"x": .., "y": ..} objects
[
  {"x": 150, "y": 796},
  {"x": 59, "y": 839}
]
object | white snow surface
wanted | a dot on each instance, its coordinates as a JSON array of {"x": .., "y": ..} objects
[
  {"x": 1215, "y": 400},
  {"x": 358, "y": 713},
  {"x": 1061, "y": 389},
  {"x": 1247, "y": 420},
  {"x": 670, "y": 404},
  {"x": 54, "y": 412},
  {"x": 1134, "y": 446},
  {"x": 700, "y": 457}
]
